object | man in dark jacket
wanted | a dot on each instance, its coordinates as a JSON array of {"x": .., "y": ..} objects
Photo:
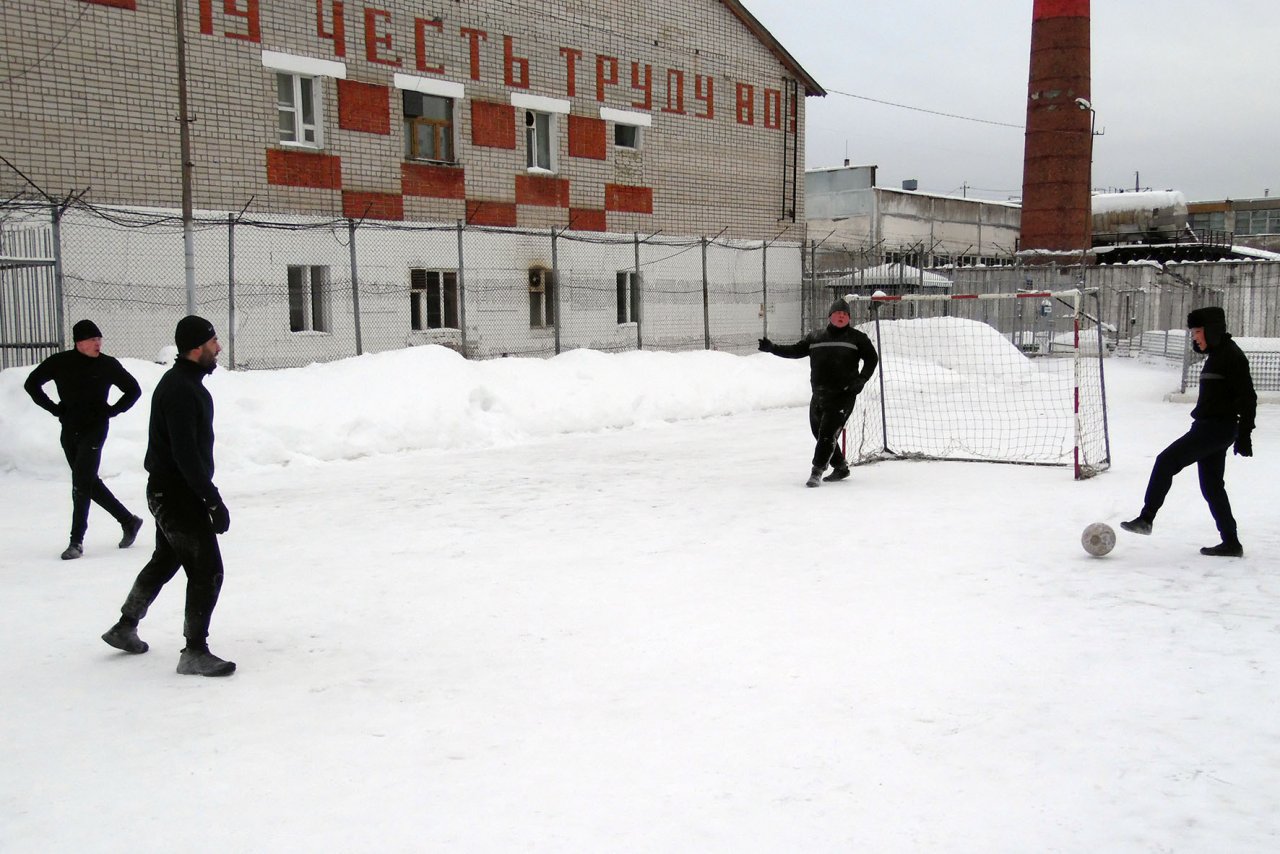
[
  {"x": 189, "y": 511},
  {"x": 841, "y": 360},
  {"x": 1223, "y": 417},
  {"x": 83, "y": 377}
]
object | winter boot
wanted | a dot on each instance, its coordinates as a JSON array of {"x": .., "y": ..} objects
[
  {"x": 837, "y": 474},
  {"x": 124, "y": 637},
  {"x": 72, "y": 551},
  {"x": 131, "y": 529},
  {"x": 201, "y": 662},
  {"x": 1137, "y": 526},
  {"x": 1226, "y": 548},
  {"x": 815, "y": 476}
]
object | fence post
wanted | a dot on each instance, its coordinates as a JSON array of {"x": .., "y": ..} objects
[
  {"x": 355, "y": 284},
  {"x": 59, "y": 283},
  {"x": 706, "y": 300},
  {"x": 764, "y": 286},
  {"x": 638, "y": 309},
  {"x": 231, "y": 290},
  {"x": 462, "y": 294},
  {"x": 555, "y": 287}
]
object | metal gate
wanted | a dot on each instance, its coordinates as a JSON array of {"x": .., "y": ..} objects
[{"x": 30, "y": 304}]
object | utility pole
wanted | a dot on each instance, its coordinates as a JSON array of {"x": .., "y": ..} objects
[{"x": 184, "y": 152}]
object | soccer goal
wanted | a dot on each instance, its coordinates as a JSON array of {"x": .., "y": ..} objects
[{"x": 1002, "y": 378}]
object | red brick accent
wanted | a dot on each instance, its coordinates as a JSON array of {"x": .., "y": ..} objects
[
  {"x": 586, "y": 137},
  {"x": 357, "y": 205},
  {"x": 291, "y": 168},
  {"x": 131, "y": 5},
  {"x": 437, "y": 182},
  {"x": 364, "y": 107},
  {"x": 587, "y": 219},
  {"x": 542, "y": 190},
  {"x": 628, "y": 199},
  {"x": 491, "y": 213},
  {"x": 493, "y": 125}
]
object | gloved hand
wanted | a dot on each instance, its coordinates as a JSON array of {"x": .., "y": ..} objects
[
  {"x": 220, "y": 517},
  {"x": 1244, "y": 444},
  {"x": 766, "y": 346},
  {"x": 857, "y": 384}
]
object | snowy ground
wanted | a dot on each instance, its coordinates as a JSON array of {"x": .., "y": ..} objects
[{"x": 651, "y": 638}]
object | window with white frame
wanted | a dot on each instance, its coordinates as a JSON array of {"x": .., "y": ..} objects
[
  {"x": 298, "y": 108},
  {"x": 628, "y": 297},
  {"x": 309, "y": 299},
  {"x": 428, "y": 127},
  {"x": 433, "y": 299},
  {"x": 626, "y": 136},
  {"x": 627, "y": 127},
  {"x": 542, "y": 296},
  {"x": 539, "y": 128}
]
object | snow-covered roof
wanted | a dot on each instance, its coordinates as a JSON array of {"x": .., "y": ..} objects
[{"x": 1111, "y": 202}]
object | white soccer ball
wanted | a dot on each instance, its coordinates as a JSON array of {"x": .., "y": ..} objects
[{"x": 1098, "y": 539}]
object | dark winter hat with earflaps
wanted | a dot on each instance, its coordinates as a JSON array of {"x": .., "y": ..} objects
[{"x": 1212, "y": 319}]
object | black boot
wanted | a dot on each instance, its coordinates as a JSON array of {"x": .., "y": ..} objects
[
  {"x": 198, "y": 661},
  {"x": 815, "y": 476},
  {"x": 1140, "y": 525},
  {"x": 837, "y": 473},
  {"x": 1226, "y": 548},
  {"x": 72, "y": 551},
  {"x": 131, "y": 529},
  {"x": 124, "y": 637}
]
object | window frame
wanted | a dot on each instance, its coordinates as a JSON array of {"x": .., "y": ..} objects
[
  {"x": 296, "y": 109},
  {"x": 542, "y": 291},
  {"x": 442, "y": 304},
  {"x": 442, "y": 130},
  {"x": 550, "y": 136},
  {"x": 628, "y": 297},
  {"x": 308, "y": 288}
]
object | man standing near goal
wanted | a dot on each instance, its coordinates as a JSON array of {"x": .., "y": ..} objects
[
  {"x": 1223, "y": 417},
  {"x": 841, "y": 360}
]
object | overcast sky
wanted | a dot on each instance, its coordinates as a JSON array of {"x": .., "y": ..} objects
[{"x": 1186, "y": 91}]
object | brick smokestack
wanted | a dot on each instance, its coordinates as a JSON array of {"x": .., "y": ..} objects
[{"x": 1058, "y": 157}]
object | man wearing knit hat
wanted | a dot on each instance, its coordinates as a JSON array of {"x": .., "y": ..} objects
[
  {"x": 188, "y": 510},
  {"x": 841, "y": 360},
  {"x": 1223, "y": 417},
  {"x": 84, "y": 377}
]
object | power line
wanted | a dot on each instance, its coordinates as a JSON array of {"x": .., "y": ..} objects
[{"x": 923, "y": 110}]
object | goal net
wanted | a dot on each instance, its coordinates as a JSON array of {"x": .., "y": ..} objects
[{"x": 1008, "y": 378}]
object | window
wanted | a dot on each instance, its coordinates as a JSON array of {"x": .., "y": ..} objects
[
  {"x": 542, "y": 296},
  {"x": 628, "y": 297},
  {"x": 538, "y": 129},
  {"x": 626, "y": 136},
  {"x": 298, "y": 109},
  {"x": 428, "y": 127},
  {"x": 433, "y": 299},
  {"x": 309, "y": 299}
]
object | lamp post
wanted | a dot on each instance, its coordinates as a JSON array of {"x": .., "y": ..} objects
[{"x": 184, "y": 153}]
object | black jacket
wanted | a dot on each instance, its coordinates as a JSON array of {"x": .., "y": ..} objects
[
  {"x": 83, "y": 383},
  {"x": 836, "y": 357},
  {"x": 1226, "y": 386},
  {"x": 180, "y": 437}
]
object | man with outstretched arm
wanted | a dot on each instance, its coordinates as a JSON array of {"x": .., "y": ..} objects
[
  {"x": 189, "y": 511},
  {"x": 841, "y": 360},
  {"x": 83, "y": 377},
  {"x": 1223, "y": 418}
]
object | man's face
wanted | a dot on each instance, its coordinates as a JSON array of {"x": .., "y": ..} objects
[
  {"x": 207, "y": 355},
  {"x": 839, "y": 319},
  {"x": 1197, "y": 336},
  {"x": 91, "y": 347}
]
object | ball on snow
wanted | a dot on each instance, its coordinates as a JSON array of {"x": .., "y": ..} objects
[{"x": 1098, "y": 539}]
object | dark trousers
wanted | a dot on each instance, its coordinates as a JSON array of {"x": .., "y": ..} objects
[
  {"x": 1205, "y": 444},
  {"x": 827, "y": 416},
  {"x": 83, "y": 449},
  {"x": 184, "y": 538}
]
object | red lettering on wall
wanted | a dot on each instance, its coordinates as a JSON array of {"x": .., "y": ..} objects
[
  {"x": 773, "y": 108},
  {"x": 746, "y": 104},
  {"x": 515, "y": 69},
  {"x": 675, "y": 92},
  {"x": 436, "y": 182},
  {"x": 474, "y": 37},
  {"x": 571, "y": 58},
  {"x": 493, "y": 125},
  {"x": 339, "y": 32},
  {"x": 606, "y": 73},
  {"x": 420, "y": 26},
  {"x": 252, "y": 31},
  {"x": 586, "y": 137},
  {"x": 375, "y": 42},
  {"x": 357, "y": 205},
  {"x": 642, "y": 83},
  {"x": 704, "y": 90}
]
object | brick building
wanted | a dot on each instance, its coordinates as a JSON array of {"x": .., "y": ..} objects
[{"x": 681, "y": 118}]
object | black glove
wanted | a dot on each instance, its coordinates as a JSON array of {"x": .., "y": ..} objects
[
  {"x": 858, "y": 383},
  {"x": 766, "y": 346},
  {"x": 1244, "y": 444},
  {"x": 220, "y": 517}
]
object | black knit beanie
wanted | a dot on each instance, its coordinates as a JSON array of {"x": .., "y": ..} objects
[
  {"x": 839, "y": 305},
  {"x": 192, "y": 332},
  {"x": 84, "y": 330}
]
